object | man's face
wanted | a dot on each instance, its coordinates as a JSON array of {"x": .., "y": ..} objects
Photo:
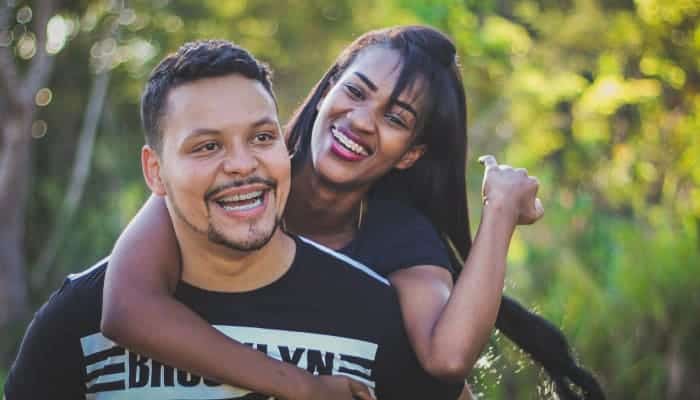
[{"x": 224, "y": 166}]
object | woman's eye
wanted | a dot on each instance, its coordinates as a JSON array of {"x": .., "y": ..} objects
[
  {"x": 354, "y": 92},
  {"x": 396, "y": 120}
]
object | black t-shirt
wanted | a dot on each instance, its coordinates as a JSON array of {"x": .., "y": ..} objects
[
  {"x": 394, "y": 236},
  {"x": 327, "y": 314}
]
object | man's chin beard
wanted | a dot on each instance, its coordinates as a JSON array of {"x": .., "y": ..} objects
[{"x": 216, "y": 237}]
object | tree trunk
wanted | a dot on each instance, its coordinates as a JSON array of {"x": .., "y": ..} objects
[
  {"x": 17, "y": 115},
  {"x": 79, "y": 177},
  {"x": 15, "y": 175}
]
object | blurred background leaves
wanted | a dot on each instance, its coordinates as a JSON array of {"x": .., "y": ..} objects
[{"x": 598, "y": 98}]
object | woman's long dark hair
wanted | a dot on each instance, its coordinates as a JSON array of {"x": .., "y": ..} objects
[{"x": 436, "y": 183}]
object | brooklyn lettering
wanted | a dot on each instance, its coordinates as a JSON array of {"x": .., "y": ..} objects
[{"x": 111, "y": 368}]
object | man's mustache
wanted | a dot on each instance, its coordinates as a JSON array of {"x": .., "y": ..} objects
[{"x": 271, "y": 184}]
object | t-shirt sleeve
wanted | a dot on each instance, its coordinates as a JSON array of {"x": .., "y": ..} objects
[
  {"x": 397, "y": 236},
  {"x": 48, "y": 364}
]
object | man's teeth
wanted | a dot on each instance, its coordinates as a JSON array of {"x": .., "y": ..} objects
[
  {"x": 349, "y": 143},
  {"x": 250, "y": 200},
  {"x": 243, "y": 207},
  {"x": 240, "y": 197}
]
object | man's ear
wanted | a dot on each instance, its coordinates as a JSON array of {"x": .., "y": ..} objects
[
  {"x": 150, "y": 164},
  {"x": 411, "y": 156}
]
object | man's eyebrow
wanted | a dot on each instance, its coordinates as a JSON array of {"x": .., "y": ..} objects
[
  {"x": 211, "y": 131},
  {"x": 366, "y": 80},
  {"x": 264, "y": 121},
  {"x": 201, "y": 132}
]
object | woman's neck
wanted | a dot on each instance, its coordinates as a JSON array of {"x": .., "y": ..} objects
[{"x": 322, "y": 212}]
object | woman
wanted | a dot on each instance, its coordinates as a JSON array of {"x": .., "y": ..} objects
[{"x": 379, "y": 142}]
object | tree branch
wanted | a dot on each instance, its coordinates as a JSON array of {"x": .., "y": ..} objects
[
  {"x": 79, "y": 176},
  {"x": 8, "y": 69},
  {"x": 5, "y": 13},
  {"x": 42, "y": 64}
]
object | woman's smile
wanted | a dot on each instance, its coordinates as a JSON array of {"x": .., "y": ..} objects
[{"x": 347, "y": 145}]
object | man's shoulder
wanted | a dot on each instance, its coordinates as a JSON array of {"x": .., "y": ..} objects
[
  {"x": 50, "y": 358},
  {"x": 93, "y": 273},
  {"x": 332, "y": 261},
  {"x": 344, "y": 284},
  {"x": 87, "y": 284},
  {"x": 78, "y": 302}
]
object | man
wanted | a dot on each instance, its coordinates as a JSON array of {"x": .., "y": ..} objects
[{"x": 215, "y": 151}]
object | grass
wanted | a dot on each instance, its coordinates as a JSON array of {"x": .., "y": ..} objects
[{"x": 3, "y": 375}]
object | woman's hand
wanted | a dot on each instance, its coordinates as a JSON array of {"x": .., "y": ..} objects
[
  {"x": 338, "y": 387},
  {"x": 511, "y": 190}
]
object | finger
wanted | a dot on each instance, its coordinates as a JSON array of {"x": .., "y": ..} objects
[
  {"x": 488, "y": 161},
  {"x": 360, "y": 391},
  {"x": 539, "y": 209},
  {"x": 365, "y": 395},
  {"x": 521, "y": 171}
]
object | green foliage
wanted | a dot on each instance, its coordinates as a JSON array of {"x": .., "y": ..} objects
[{"x": 598, "y": 98}]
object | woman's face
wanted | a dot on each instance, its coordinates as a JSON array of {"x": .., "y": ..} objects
[{"x": 358, "y": 135}]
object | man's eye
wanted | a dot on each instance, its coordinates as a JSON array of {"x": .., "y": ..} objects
[
  {"x": 263, "y": 137},
  {"x": 210, "y": 146}
]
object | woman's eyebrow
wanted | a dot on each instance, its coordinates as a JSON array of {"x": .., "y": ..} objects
[
  {"x": 406, "y": 107},
  {"x": 373, "y": 87},
  {"x": 367, "y": 81}
]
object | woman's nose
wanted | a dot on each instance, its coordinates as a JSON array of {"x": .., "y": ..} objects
[{"x": 361, "y": 119}]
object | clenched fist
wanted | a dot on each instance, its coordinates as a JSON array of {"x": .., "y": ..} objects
[{"x": 512, "y": 190}]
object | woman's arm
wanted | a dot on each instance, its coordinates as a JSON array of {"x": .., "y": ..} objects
[
  {"x": 449, "y": 331},
  {"x": 140, "y": 312}
]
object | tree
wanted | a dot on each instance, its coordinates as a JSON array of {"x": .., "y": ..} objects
[
  {"x": 19, "y": 127},
  {"x": 19, "y": 89}
]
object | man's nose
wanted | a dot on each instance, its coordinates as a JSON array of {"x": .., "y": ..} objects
[{"x": 240, "y": 160}]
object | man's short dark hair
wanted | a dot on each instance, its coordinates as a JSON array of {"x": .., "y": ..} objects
[{"x": 194, "y": 60}]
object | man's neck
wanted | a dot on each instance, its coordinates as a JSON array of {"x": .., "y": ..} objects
[{"x": 218, "y": 268}]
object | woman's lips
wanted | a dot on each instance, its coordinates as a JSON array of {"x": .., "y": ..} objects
[{"x": 345, "y": 146}]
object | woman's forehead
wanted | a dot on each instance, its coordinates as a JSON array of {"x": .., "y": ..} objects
[
  {"x": 378, "y": 60},
  {"x": 380, "y": 67}
]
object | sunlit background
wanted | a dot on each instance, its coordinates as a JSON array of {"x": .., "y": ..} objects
[{"x": 597, "y": 98}]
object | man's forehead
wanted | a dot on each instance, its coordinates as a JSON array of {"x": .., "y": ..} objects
[
  {"x": 219, "y": 103},
  {"x": 234, "y": 88}
]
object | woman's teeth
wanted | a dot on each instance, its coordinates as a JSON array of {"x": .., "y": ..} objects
[{"x": 349, "y": 143}]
